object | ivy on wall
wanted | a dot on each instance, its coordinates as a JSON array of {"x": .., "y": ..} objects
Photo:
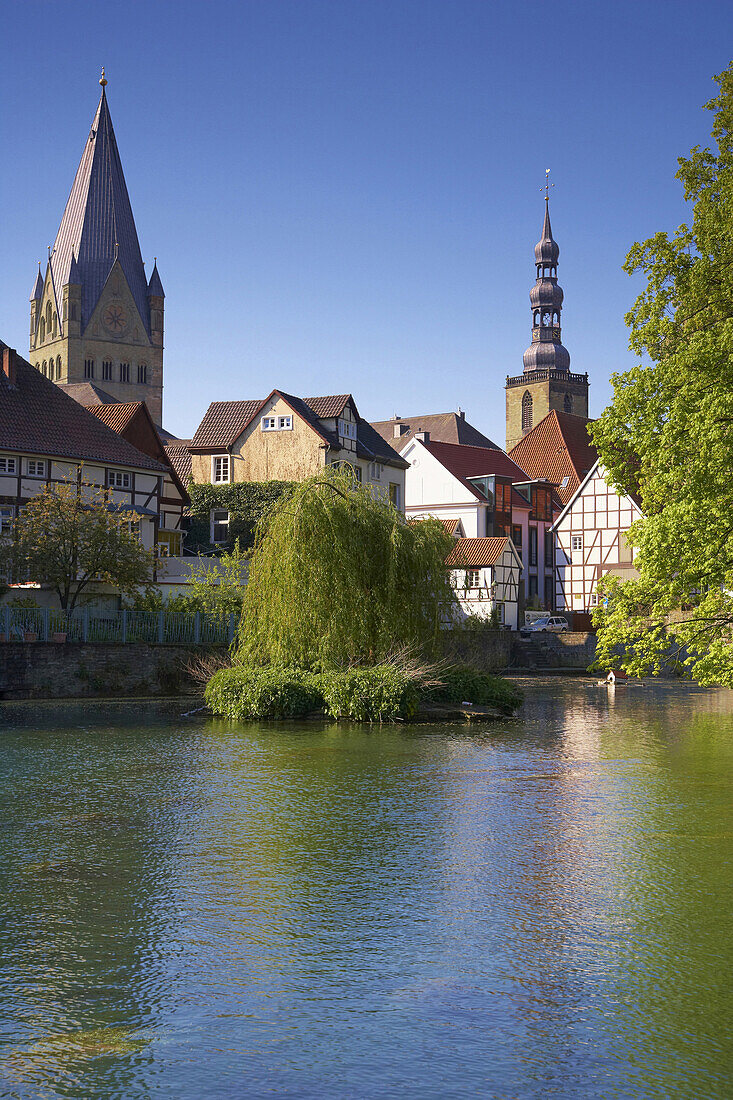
[{"x": 245, "y": 501}]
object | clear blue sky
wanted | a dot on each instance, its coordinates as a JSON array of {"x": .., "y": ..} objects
[{"x": 344, "y": 195}]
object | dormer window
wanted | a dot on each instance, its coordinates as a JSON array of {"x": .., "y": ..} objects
[
  {"x": 220, "y": 470},
  {"x": 347, "y": 429}
]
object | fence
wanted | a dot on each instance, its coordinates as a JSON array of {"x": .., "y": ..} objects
[{"x": 18, "y": 624}]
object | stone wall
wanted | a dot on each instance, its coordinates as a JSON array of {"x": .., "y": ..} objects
[
  {"x": 37, "y": 670},
  {"x": 489, "y": 650},
  {"x": 573, "y": 650}
]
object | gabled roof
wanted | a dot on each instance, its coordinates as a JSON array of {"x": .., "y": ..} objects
[
  {"x": 37, "y": 417},
  {"x": 116, "y": 416},
  {"x": 478, "y": 553},
  {"x": 223, "y": 422},
  {"x": 465, "y": 462},
  {"x": 450, "y": 427},
  {"x": 132, "y": 420},
  {"x": 86, "y": 393},
  {"x": 633, "y": 497},
  {"x": 327, "y": 407},
  {"x": 371, "y": 445},
  {"x": 453, "y": 526},
  {"x": 557, "y": 448},
  {"x": 179, "y": 457},
  {"x": 98, "y": 226}
]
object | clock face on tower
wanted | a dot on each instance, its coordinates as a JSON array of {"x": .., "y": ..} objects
[
  {"x": 115, "y": 319},
  {"x": 547, "y": 319}
]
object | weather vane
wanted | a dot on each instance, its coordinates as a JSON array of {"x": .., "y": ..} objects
[{"x": 548, "y": 185}]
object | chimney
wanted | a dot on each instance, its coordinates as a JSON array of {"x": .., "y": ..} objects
[
  {"x": 424, "y": 436},
  {"x": 460, "y": 413},
  {"x": 397, "y": 431},
  {"x": 9, "y": 357}
]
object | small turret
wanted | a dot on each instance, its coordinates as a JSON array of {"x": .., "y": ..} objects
[
  {"x": 36, "y": 295},
  {"x": 156, "y": 302}
]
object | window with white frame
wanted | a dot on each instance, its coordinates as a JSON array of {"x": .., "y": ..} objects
[
  {"x": 394, "y": 493},
  {"x": 500, "y": 612},
  {"x": 118, "y": 479},
  {"x": 269, "y": 423},
  {"x": 576, "y": 542},
  {"x": 8, "y": 465},
  {"x": 219, "y": 525},
  {"x": 594, "y": 599},
  {"x": 7, "y": 514},
  {"x": 347, "y": 429},
  {"x": 375, "y": 471},
  {"x": 36, "y": 467},
  {"x": 473, "y": 578},
  {"x": 220, "y": 469},
  {"x": 284, "y": 423}
]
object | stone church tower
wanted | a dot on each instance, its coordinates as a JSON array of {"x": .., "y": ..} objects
[
  {"x": 546, "y": 383},
  {"x": 95, "y": 317}
]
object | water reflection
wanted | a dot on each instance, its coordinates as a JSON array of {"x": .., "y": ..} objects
[{"x": 535, "y": 909}]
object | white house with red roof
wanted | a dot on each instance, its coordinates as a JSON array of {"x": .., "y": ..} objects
[{"x": 486, "y": 575}]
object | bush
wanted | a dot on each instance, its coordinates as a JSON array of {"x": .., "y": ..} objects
[
  {"x": 463, "y": 684},
  {"x": 376, "y": 694},
  {"x": 271, "y": 692}
]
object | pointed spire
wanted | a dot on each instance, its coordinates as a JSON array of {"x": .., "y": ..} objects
[
  {"x": 97, "y": 218},
  {"x": 37, "y": 292},
  {"x": 155, "y": 287},
  {"x": 546, "y": 351},
  {"x": 74, "y": 276}
]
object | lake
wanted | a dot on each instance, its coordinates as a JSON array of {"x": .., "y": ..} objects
[{"x": 540, "y": 907}]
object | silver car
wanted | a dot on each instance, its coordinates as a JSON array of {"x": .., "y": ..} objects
[{"x": 554, "y": 623}]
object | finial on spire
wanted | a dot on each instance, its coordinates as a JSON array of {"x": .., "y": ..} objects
[
  {"x": 548, "y": 185},
  {"x": 103, "y": 79}
]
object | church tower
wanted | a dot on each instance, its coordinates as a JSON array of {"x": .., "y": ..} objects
[
  {"x": 95, "y": 317},
  {"x": 546, "y": 383}
]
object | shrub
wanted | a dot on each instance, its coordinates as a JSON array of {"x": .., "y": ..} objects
[
  {"x": 271, "y": 692},
  {"x": 376, "y": 694},
  {"x": 463, "y": 684}
]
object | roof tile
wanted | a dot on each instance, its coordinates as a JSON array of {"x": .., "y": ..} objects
[
  {"x": 447, "y": 427},
  {"x": 557, "y": 448},
  {"x": 476, "y": 552}
]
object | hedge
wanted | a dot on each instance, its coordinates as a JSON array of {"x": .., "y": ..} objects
[
  {"x": 240, "y": 692},
  {"x": 246, "y": 502},
  {"x": 376, "y": 694},
  {"x": 464, "y": 684}
]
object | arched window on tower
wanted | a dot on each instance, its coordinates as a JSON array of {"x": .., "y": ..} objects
[
  {"x": 48, "y": 317},
  {"x": 43, "y": 368},
  {"x": 54, "y": 325},
  {"x": 42, "y": 329},
  {"x": 526, "y": 411},
  {"x": 568, "y": 403},
  {"x": 58, "y": 367}
]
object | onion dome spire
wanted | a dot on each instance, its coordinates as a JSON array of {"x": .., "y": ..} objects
[{"x": 546, "y": 351}]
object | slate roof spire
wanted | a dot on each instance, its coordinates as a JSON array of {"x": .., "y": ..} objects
[
  {"x": 37, "y": 292},
  {"x": 155, "y": 287},
  {"x": 98, "y": 225}
]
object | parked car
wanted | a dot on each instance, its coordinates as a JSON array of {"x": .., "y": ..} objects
[{"x": 552, "y": 623}]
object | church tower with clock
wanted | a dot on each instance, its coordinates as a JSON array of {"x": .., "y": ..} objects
[
  {"x": 546, "y": 382},
  {"x": 96, "y": 319}
]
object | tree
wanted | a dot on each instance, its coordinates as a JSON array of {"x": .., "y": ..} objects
[
  {"x": 338, "y": 577},
  {"x": 71, "y": 535},
  {"x": 667, "y": 434},
  {"x": 216, "y": 587}
]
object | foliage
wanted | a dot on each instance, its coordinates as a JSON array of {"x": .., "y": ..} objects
[
  {"x": 666, "y": 435},
  {"x": 242, "y": 692},
  {"x": 338, "y": 578},
  {"x": 69, "y": 536},
  {"x": 464, "y": 684},
  {"x": 216, "y": 588},
  {"x": 247, "y": 502},
  {"x": 377, "y": 694}
]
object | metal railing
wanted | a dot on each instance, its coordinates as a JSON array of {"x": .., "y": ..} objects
[{"x": 43, "y": 624}]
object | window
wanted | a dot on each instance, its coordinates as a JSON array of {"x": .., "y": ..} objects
[
  {"x": 36, "y": 467},
  {"x": 7, "y": 512},
  {"x": 54, "y": 324},
  {"x": 124, "y": 372},
  {"x": 169, "y": 543},
  {"x": 107, "y": 370},
  {"x": 526, "y": 411},
  {"x": 43, "y": 368},
  {"x": 269, "y": 424},
  {"x": 565, "y": 482},
  {"x": 284, "y": 423},
  {"x": 568, "y": 403},
  {"x": 576, "y": 542},
  {"x": 220, "y": 469},
  {"x": 48, "y": 317},
  {"x": 500, "y": 612},
  {"x": 89, "y": 368},
  {"x": 473, "y": 578},
  {"x": 548, "y": 591},
  {"x": 8, "y": 465},
  {"x": 43, "y": 329},
  {"x": 118, "y": 479},
  {"x": 517, "y": 536},
  {"x": 549, "y": 547},
  {"x": 594, "y": 599},
  {"x": 347, "y": 429},
  {"x": 58, "y": 368},
  {"x": 532, "y": 586},
  {"x": 142, "y": 373},
  {"x": 375, "y": 471},
  {"x": 533, "y": 546},
  {"x": 394, "y": 493},
  {"x": 219, "y": 526}
]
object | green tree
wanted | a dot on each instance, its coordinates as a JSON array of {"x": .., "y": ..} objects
[
  {"x": 338, "y": 577},
  {"x": 667, "y": 434},
  {"x": 68, "y": 537}
]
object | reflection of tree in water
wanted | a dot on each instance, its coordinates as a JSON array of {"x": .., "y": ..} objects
[{"x": 86, "y": 856}]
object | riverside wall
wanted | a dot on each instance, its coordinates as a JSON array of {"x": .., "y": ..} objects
[{"x": 38, "y": 670}]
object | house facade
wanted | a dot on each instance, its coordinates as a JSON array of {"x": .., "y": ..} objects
[
  {"x": 486, "y": 577},
  {"x": 591, "y": 541}
]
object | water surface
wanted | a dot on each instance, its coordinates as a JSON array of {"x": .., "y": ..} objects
[{"x": 537, "y": 908}]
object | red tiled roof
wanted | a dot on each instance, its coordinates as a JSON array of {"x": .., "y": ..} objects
[
  {"x": 37, "y": 417},
  {"x": 327, "y": 407},
  {"x": 464, "y": 462},
  {"x": 223, "y": 422},
  {"x": 557, "y": 448},
  {"x": 179, "y": 457},
  {"x": 117, "y": 417},
  {"x": 447, "y": 427},
  {"x": 451, "y": 525},
  {"x": 86, "y": 393},
  {"x": 476, "y": 552}
]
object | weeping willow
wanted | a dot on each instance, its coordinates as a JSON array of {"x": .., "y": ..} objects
[{"x": 339, "y": 578}]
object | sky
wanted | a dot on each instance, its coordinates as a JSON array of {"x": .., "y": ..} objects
[{"x": 344, "y": 195}]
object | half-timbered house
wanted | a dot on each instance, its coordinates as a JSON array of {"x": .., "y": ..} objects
[
  {"x": 591, "y": 541},
  {"x": 486, "y": 576}
]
